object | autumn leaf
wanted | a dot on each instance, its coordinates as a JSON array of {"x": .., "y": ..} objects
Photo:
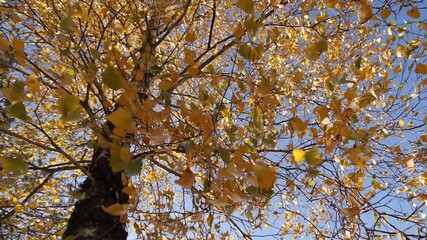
[
  {"x": 421, "y": 68},
  {"x": 196, "y": 217},
  {"x": 401, "y": 123},
  {"x": 66, "y": 23},
  {"x": 166, "y": 85},
  {"x": 69, "y": 107},
  {"x": 33, "y": 84},
  {"x": 111, "y": 78},
  {"x": 224, "y": 154},
  {"x": 331, "y": 3},
  {"x": 190, "y": 36},
  {"x": 116, "y": 209},
  {"x": 298, "y": 154},
  {"x": 322, "y": 45},
  {"x": 15, "y": 164},
  {"x": 351, "y": 211},
  {"x": 312, "y": 157},
  {"x": 365, "y": 12},
  {"x": 187, "y": 179},
  {"x": 266, "y": 176},
  {"x": 18, "y": 110},
  {"x": 385, "y": 13},
  {"x": 4, "y": 44},
  {"x": 246, "y": 5},
  {"x": 414, "y": 13},
  {"x": 120, "y": 118},
  {"x": 15, "y": 92}
]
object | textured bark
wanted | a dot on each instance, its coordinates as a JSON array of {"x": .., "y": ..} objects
[{"x": 102, "y": 188}]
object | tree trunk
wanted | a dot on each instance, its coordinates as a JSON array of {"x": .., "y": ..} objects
[{"x": 102, "y": 188}]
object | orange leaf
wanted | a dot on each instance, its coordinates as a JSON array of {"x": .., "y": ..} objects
[
  {"x": 266, "y": 176},
  {"x": 187, "y": 179},
  {"x": 365, "y": 13},
  {"x": 351, "y": 211},
  {"x": 166, "y": 85},
  {"x": 385, "y": 13},
  {"x": 196, "y": 217},
  {"x": 4, "y": 44},
  {"x": 193, "y": 71},
  {"x": 116, "y": 209},
  {"x": 421, "y": 68},
  {"x": 413, "y": 13}
]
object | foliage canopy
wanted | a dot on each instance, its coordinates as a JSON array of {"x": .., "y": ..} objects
[{"x": 244, "y": 118}]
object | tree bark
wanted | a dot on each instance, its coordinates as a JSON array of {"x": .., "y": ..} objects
[{"x": 102, "y": 187}]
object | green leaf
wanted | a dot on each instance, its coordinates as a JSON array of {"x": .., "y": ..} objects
[
  {"x": 18, "y": 110},
  {"x": 111, "y": 78},
  {"x": 358, "y": 62},
  {"x": 132, "y": 167},
  {"x": 69, "y": 107},
  {"x": 189, "y": 147},
  {"x": 16, "y": 164},
  {"x": 322, "y": 45},
  {"x": 66, "y": 22},
  {"x": 246, "y": 5},
  {"x": 252, "y": 191},
  {"x": 156, "y": 69},
  {"x": 245, "y": 51},
  {"x": 224, "y": 154}
]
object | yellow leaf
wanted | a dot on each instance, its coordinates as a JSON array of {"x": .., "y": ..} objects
[
  {"x": 120, "y": 117},
  {"x": 14, "y": 92},
  {"x": 246, "y": 5},
  {"x": 413, "y": 13},
  {"x": 401, "y": 123},
  {"x": 423, "y": 138},
  {"x": 299, "y": 155},
  {"x": 16, "y": 164},
  {"x": 385, "y": 13},
  {"x": 116, "y": 209},
  {"x": 421, "y": 68},
  {"x": 69, "y": 107},
  {"x": 187, "y": 179},
  {"x": 312, "y": 157},
  {"x": 4, "y": 44},
  {"x": 266, "y": 176},
  {"x": 19, "y": 208}
]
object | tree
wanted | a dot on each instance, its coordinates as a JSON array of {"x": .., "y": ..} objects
[{"x": 208, "y": 119}]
